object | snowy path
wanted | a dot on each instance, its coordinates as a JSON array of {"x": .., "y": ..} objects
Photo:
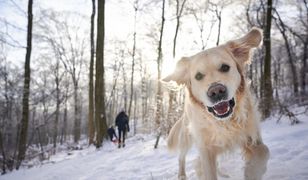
[{"x": 138, "y": 160}]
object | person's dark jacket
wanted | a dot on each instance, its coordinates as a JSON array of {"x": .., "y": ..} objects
[
  {"x": 122, "y": 121},
  {"x": 111, "y": 133}
]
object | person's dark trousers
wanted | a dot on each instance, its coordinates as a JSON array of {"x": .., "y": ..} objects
[{"x": 121, "y": 138}]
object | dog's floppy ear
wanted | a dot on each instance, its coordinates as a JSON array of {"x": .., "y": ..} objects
[
  {"x": 241, "y": 48},
  {"x": 181, "y": 74}
]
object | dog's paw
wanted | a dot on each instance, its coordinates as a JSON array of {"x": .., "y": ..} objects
[
  {"x": 256, "y": 167},
  {"x": 262, "y": 152}
]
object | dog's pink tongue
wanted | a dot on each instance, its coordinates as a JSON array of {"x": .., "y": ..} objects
[{"x": 221, "y": 108}]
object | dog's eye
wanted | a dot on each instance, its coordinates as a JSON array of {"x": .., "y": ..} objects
[
  {"x": 199, "y": 76},
  {"x": 224, "y": 68}
]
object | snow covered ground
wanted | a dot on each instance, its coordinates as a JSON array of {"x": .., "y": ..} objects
[{"x": 138, "y": 160}]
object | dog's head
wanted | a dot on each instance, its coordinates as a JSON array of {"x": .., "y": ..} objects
[{"x": 214, "y": 77}]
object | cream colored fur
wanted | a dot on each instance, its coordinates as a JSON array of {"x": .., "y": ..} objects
[{"x": 214, "y": 136}]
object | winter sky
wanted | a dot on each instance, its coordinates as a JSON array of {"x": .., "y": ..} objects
[{"x": 119, "y": 25}]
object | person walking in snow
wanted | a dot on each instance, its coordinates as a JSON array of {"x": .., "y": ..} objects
[
  {"x": 112, "y": 134},
  {"x": 123, "y": 127}
]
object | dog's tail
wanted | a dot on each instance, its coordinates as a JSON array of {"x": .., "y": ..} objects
[{"x": 173, "y": 137}]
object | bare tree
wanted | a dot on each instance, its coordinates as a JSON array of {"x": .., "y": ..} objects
[
  {"x": 256, "y": 16},
  {"x": 25, "y": 100},
  {"x": 125, "y": 93},
  {"x": 302, "y": 35},
  {"x": 199, "y": 10},
  {"x": 3, "y": 154},
  {"x": 112, "y": 101},
  {"x": 73, "y": 66},
  {"x": 217, "y": 8},
  {"x": 133, "y": 59},
  {"x": 68, "y": 45},
  {"x": 144, "y": 87},
  {"x": 172, "y": 94},
  {"x": 91, "y": 85},
  {"x": 268, "y": 91},
  {"x": 283, "y": 30},
  {"x": 179, "y": 11},
  {"x": 58, "y": 102},
  {"x": 304, "y": 39},
  {"x": 159, "y": 64},
  {"x": 64, "y": 127},
  {"x": 100, "y": 114}
]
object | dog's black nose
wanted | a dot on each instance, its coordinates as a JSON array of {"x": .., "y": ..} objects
[{"x": 217, "y": 92}]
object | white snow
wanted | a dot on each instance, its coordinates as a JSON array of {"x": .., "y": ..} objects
[{"x": 138, "y": 160}]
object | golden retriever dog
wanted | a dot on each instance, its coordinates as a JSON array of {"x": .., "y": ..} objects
[{"x": 220, "y": 112}]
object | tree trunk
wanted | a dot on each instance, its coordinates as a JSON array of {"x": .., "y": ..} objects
[
  {"x": 304, "y": 68},
  {"x": 157, "y": 140},
  {"x": 57, "y": 107},
  {"x": 172, "y": 94},
  {"x": 218, "y": 14},
  {"x": 267, "y": 87},
  {"x": 91, "y": 86},
  {"x": 135, "y": 115},
  {"x": 133, "y": 61},
  {"x": 40, "y": 141},
  {"x": 159, "y": 63},
  {"x": 3, "y": 154},
  {"x": 112, "y": 101},
  {"x": 64, "y": 129},
  {"x": 100, "y": 115},
  {"x": 25, "y": 100},
  {"x": 144, "y": 96},
  {"x": 124, "y": 87},
  {"x": 76, "y": 114},
  {"x": 179, "y": 11}
]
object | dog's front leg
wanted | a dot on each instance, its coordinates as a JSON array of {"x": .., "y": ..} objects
[
  {"x": 256, "y": 157},
  {"x": 182, "y": 173},
  {"x": 208, "y": 165},
  {"x": 185, "y": 143}
]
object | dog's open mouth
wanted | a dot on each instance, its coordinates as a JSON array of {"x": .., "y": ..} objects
[{"x": 222, "y": 109}]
